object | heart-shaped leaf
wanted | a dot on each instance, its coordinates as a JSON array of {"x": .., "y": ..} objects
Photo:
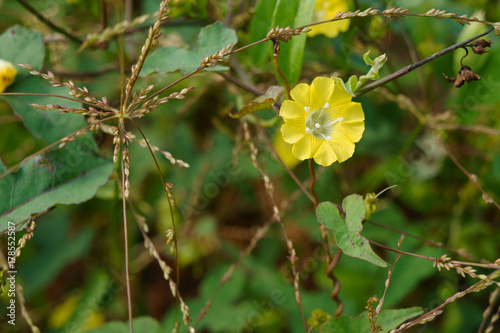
[
  {"x": 211, "y": 39},
  {"x": 348, "y": 231}
]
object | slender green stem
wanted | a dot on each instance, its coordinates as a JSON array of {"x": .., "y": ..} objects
[
  {"x": 312, "y": 183},
  {"x": 168, "y": 197},
  {"x": 125, "y": 233},
  {"x": 276, "y": 65}
]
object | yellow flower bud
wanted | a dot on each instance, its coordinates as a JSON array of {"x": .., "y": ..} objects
[{"x": 7, "y": 74}]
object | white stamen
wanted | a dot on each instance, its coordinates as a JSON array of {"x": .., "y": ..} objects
[
  {"x": 317, "y": 125},
  {"x": 338, "y": 120},
  {"x": 328, "y": 138},
  {"x": 307, "y": 108},
  {"x": 308, "y": 130},
  {"x": 326, "y": 106}
]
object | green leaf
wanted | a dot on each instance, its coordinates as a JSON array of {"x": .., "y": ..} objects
[
  {"x": 211, "y": 39},
  {"x": 260, "y": 25},
  {"x": 388, "y": 320},
  {"x": 265, "y": 101},
  {"x": 292, "y": 13},
  {"x": 22, "y": 46},
  {"x": 348, "y": 232},
  {"x": 65, "y": 177},
  {"x": 140, "y": 324}
]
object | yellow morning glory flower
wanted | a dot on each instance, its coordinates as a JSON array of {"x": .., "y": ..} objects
[
  {"x": 326, "y": 10},
  {"x": 322, "y": 122},
  {"x": 7, "y": 74}
]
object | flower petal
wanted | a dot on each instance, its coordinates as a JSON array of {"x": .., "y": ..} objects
[
  {"x": 306, "y": 147},
  {"x": 325, "y": 155},
  {"x": 339, "y": 96},
  {"x": 341, "y": 145},
  {"x": 321, "y": 89},
  {"x": 293, "y": 129},
  {"x": 300, "y": 94},
  {"x": 350, "y": 112},
  {"x": 354, "y": 131},
  {"x": 292, "y": 110}
]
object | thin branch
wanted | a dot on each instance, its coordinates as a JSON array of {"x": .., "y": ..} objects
[
  {"x": 472, "y": 178},
  {"x": 430, "y": 243},
  {"x": 409, "y": 68},
  {"x": 290, "y": 172},
  {"x": 49, "y": 23},
  {"x": 51, "y": 95},
  {"x": 490, "y": 311},
  {"x": 240, "y": 84}
]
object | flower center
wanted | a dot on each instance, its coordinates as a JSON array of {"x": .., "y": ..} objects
[{"x": 319, "y": 123}]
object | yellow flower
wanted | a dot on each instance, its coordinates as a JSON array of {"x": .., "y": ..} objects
[
  {"x": 322, "y": 122},
  {"x": 326, "y": 10},
  {"x": 7, "y": 74}
]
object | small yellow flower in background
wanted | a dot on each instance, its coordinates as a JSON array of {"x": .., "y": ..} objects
[
  {"x": 63, "y": 313},
  {"x": 326, "y": 10},
  {"x": 322, "y": 122},
  {"x": 7, "y": 74},
  {"x": 284, "y": 151}
]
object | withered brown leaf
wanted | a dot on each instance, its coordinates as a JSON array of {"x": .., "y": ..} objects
[
  {"x": 478, "y": 46},
  {"x": 465, "y": 74}
]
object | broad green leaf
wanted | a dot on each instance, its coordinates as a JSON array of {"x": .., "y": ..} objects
[
  {"x": 260, "y": 25},
  {"x": 211, "y": 39},
  {"x": 348, "y": 232},
  {"x": 292, "y": 13},
  {"x": 388, "y": 320},
  {"x": 67, "y": 176},
  {"x": 265, "y": 101},
  {"x": 140, "y": 324},
  {"x": 22, "y": 46}
]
